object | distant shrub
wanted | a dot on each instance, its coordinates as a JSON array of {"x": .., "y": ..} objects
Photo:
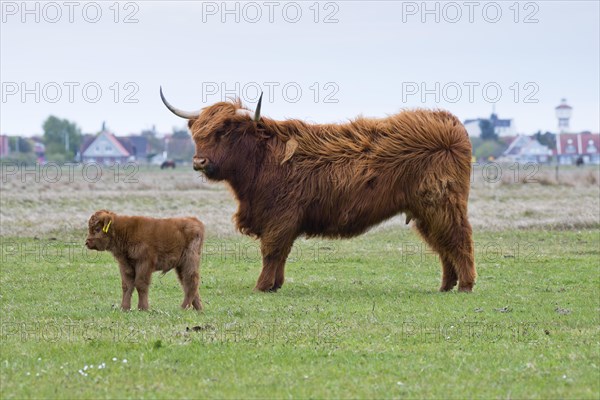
[{"x": 19, "y": 158}]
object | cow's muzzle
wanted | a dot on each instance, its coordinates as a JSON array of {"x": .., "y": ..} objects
[{"x": 199, "y": 163}]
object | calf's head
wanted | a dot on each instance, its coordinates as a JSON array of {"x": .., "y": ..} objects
[
  {"x": 228, "y": 139},
  {"x": 100, "y": 230}
]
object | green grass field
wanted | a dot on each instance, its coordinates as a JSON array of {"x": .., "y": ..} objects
[{"x": 356, "y": 318}]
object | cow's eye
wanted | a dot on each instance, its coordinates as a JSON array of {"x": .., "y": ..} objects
[{"x": 98, "y": 229}]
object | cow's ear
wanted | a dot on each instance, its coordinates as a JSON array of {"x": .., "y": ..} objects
[
  {"x": 290, "y": 148},
  {"x": 190, "y": 123}
]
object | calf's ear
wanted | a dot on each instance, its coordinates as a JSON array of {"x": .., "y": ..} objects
[
  {"x": 107, "y": 219},
  {"x": 106, "y": 226}
]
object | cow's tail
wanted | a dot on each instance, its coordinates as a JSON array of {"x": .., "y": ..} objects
[{"x": 442, "y": 151}]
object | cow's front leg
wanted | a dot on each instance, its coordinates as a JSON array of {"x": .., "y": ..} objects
[
  {"x": 279, "y": 277},
  {"x": 274, "y": 255},
  {"x": 127, "y": 279}
]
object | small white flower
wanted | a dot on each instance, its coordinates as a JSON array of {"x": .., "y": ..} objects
[
  {"x": 114, "y": 358},
  {"x": 28, "y": 373},
  {"x": 400, "y": 383},
  {"x": 85, "y": 368},
  {"x": 39, "y": 358},
  {"x": 124, "y": 361}
]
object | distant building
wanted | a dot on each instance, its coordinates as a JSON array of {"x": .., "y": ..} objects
[
  {"x": 137, "y": 146},
  {"x": 39, "y": 148},
  {"x": 4, "y": 146},
  {"x": 571, "y": 146},
  {"x": 563, "y": 114},
  {"x": 105, "y": 148},
  {"x": 502, "y": 127},
  {"x": 525, "y": 149}
]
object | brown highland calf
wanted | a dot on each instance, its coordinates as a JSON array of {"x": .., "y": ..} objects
[
  {"x": 293, "y": 178},
  {"x": 144, "y": 245}
]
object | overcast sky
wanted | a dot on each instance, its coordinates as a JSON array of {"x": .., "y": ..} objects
[{"x": 323, "y": 62}]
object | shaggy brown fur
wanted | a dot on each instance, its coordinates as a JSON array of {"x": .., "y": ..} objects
[
  {"x": 144, "y": 245},
  {"x": 292, "y": 178}
]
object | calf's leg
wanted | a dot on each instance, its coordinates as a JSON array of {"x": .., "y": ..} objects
[
  {"x": 190, "y": 280},
  {"x": 127, "y": 279},
  {"x": 143, "y": 277}
]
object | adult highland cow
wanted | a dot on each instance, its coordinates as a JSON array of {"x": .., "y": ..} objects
[{"x": 293, "y": 178}]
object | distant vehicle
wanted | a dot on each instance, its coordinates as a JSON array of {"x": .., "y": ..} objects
[{"x": 167, "y": 164}]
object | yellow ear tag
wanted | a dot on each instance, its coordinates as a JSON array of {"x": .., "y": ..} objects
[{"x": 105, "y": 229}]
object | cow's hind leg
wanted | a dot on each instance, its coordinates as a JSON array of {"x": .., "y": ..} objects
[
  {"x": 449, "y": 276},
  {"x": 449, "y": 233}
]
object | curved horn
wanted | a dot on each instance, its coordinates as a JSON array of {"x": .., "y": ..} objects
[
  {"x": 257, "y": 113},
  {"x": 176, "y": 111}
]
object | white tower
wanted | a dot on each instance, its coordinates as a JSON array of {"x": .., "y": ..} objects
[{"x": 563, "y": 113}]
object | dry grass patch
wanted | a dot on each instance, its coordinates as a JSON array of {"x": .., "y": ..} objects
[{"x": 38, "y": 207}]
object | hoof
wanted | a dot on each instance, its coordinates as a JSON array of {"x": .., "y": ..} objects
[
  {"x": 446, "y": 287},
  {"x": 264, "y": 289},
  {"x": 465, "y": 288}
]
